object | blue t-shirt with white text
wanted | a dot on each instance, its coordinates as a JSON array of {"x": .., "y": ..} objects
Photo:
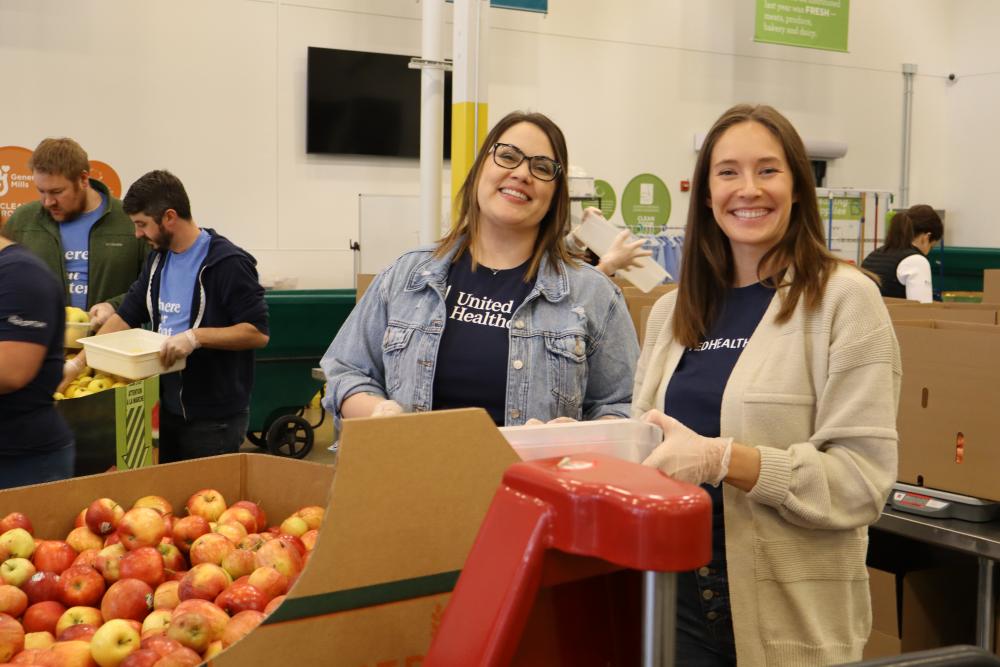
[
  {"x": 177, "y": 282},
  {"x": 76, "y": 249}
]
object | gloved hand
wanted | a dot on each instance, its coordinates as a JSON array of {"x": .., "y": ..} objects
[
  {"x": 622, "y": 254},
  {"x": 71, "y": 370},
  {"x": 100, "y": 313},
  {"x": 686, "y": 456},
  {"x": 177, "y": 347},
  {"x": 557, "y": 420},
  {"x": 387, "y": 408}
]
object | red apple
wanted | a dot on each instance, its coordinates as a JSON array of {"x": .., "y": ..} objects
[
  {"x": 240, "y": 597},
  {"x": 191, "y": 629},
  {"x": 144, "y": 564},
  {"x": 41, "y": 640},
  {"x": 84, "y": 538},
  {"x": 144, "y": 657},
  {"x": 182, "y": 657},
  {"x": 252, "y": 542},
  {"x": 309, "y": 539},
  {"x": 186, "y": 530},
  {"x": 296, "y": 542},
  {"x": 280, "y": 555},
  {"x": 268, "y": 580},
  {"x": 156, "y": 623},
  {"x": 42, "y": 616},
  {"x": 234, "y": 532},
  {"x": 257, "y": 511},
  {"x": 16, "y": 520},
  {"x": 81, "y": 586},
  {"x": 161, "y": 644},
  {"x": 81, "y": 631},
  {"x": 53, "y": 555},
  {"x": 42, "y": 586},
  {"x": 240, "y": 625},
  {"x": 13, "y": 601},
  {"x": 72, "y": 653},
  {"x": 103, "y": 515},
  {"x": 78, "y": 616},
  {"x": 294, "y": 525},
  {"x": 113, "y": 642},
  {"x": 214, "y": 649},
  {"x": 87, "y": 557},
  {"x": 158, "y": 503},
  {"x": 112, "y": 538},
  {"x": 127, "y": 599},
  {"x": 165, "y": 596},
  {"x": 216, "y": 617},
  {"x": 274, "y": 604},
  {"x": 207, "y": 503},
  {"x": 172, "y": 557},
  {"x": 240, "y": 515},
  {"x": 16, "y": 543},
  {"x": 210, "y": 548},
  {"x": 204, "y": 581},
  {"x": 141, "y": 527},
  {"x": 313, "y": 515},
  {"x": 108, "y": 562},
  {"x": 239, "y": 562},
  {"x": 11, "y": 638},
  {"x": 16, "y": 571},
  {"x": 81, "y": 518}
]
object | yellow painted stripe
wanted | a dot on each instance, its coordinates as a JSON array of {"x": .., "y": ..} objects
[{"x": 463, "y": 143}]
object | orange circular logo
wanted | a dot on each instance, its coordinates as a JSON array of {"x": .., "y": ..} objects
[{"x": 17, "y": 186}]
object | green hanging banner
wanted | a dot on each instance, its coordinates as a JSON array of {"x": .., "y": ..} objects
[
  {"x": 540, "y": 6},
  {"x": 811, "y": 24}
]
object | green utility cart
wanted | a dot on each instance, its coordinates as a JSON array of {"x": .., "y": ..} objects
[{"x": 302, "y": 323}]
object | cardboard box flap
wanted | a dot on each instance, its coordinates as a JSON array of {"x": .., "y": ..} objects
[
  {"x": 883, "y": 591},
  {"x": 963, "y": 312},
  {"x": 408, "y": 498}
]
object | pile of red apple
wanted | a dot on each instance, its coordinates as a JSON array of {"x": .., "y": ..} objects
[{"x": 141, "y": 587}]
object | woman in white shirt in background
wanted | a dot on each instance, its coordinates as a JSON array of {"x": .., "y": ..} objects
[{"x": 901, "y": 264}]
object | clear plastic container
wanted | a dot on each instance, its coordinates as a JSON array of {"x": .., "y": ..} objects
[
  {"x": 598, "y": 234},
  {"x": 74, "y": 332},
  {"x": 627, "y": 439},
  {"x": 132, "y": 354}
]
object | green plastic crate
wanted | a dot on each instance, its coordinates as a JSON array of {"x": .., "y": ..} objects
[{"x": 960, "y": 269}]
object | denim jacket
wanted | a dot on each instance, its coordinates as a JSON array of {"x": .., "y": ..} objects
[{"x": 573, "y": 349}]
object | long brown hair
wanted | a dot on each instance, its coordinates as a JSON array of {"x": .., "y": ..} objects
[
  {"x": 554, "y": 225},
  {"x": 911, "y": 223},
  {"x": 707, "y": 269}
]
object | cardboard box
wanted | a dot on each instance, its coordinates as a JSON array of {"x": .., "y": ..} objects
[
  {"x": 637, "y": 300},
  {"x": 113, "y": 428},
  {"x": 982, "y": 313},
  {"x": 991, "y": 285},
  {"x": 948, "y": 421},
  {"x": 364, "y": 280},
  {"x": 404, "y": 504},
  {"x": 884, "y": 639}
]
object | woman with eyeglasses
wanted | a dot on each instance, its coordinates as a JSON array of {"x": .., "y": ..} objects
[
  {"x": 497, "y": 314},
  {"x": 774, "y": 373},
  {"x": 901, "y": 263}
]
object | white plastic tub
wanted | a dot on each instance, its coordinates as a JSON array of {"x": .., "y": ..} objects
[
  {"x": 132, "y": 354},
  {"x": 627, "y": 439},
  {"x": 74, "y": 332}
]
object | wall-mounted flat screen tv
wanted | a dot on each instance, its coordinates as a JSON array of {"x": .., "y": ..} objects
[{"x": 363, "y": 103}]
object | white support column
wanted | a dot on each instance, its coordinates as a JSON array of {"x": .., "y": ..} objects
[
  {"x": 469, "y": 101},
  {"x": 431, "y": 120}
]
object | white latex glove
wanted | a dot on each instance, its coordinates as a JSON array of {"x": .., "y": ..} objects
[
  {"x": 623, "y": 254},
  {"x": 387, "y": 408},
  {"x": 557, "y": 420},
  {"x": 177, "y": 347},
  {"x": 100, "y": 313},
  {"x": 71, "y": 370},
  {"x": 686, "y": 456}
]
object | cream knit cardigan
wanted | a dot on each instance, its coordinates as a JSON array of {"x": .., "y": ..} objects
[{"x": 817, "y": 396}]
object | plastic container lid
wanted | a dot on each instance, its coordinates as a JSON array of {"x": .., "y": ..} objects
[{"x": 627, "y": 439}]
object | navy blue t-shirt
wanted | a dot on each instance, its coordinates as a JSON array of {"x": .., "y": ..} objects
[
  {"x": 471, "y": 368},
  {"x": 32, "y": 311},
  {"x": 694, "y": 395}
]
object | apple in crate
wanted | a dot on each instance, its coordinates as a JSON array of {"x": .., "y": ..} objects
[
  {"x": 190, "y": 628},
  {"x": 241, "y": 597},
  {"x": 82, "y": 632},
  {"x": 158, "y": 503},
  {"x": 239, "y": 562},
  {"x": 144, "y": 564},
  {"x": 113, "y": 641},
  {"x": 103, "y": 515},
  {"x": 268, "y": 580},
  {"x": 38, "y": 640},
  {"x": 206, "y": 503},
  {"x": 127, "y": 599},
  {"x": 53, "y": 555},
  {"x": 165, "y": 596},
  {"x": 13, "y": 601},
  {"x": 42, "y": 616},
  {"x": 312, "y": 515},
  {"x": 144, "y": 657},
  {"x": 283, "y": 557},
  {"x": 108, "y": 562},
  {"x": 188, "y": 529},
  {"x": 83, "y": 538},
  {"x": 75, "y": 616},
  {"x": 81, "y": 586},
  {"x": 16, "y": 543},
  {"x": 274, "y": 604},
  {"x": 204, "y": 581},
  {"x": 16, "y": 520},
  {"x": 173, "y": 559},
  {"x": 233, "y": 531},
  {"x": 141, "y": 527},
  {"x": 240, "y": 625},
  {"x": 16, "y": 571},
  {"x": 241, "y": 515},
  {"x": 42, "y": 586},
  {"x": 156, "y": 623},
  {"x": 217, "y": 619},
  {"x": 210, "y": 548},
  {"x": 11, "y": 638}
]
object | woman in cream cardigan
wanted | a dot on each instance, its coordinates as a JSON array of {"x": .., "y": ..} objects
[{"x": 774, "y": 373}]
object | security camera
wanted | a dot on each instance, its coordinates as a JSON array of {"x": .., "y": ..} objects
[{"x": 952, "y": 78}]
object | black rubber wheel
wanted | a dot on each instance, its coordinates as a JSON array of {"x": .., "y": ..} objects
[
  {"x": 257, "y": 438},
  {"x": 290, "y": 435}
]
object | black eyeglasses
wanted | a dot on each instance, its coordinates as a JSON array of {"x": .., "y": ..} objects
[{"x": 541, "y": 167}]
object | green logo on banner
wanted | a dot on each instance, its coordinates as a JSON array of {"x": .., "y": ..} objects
[
  {"x": 646, "y": 204},
  {"x": 813, "y": 24},
  {"x": 606, "y": 199}
]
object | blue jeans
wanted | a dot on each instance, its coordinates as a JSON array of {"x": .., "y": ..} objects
[
  {"x": 24, "y": 469},
  {"x": 704, "y": 616},
  {"x": 181, "y": 440}
]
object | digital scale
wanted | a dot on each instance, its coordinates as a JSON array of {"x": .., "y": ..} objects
[{"x": 941, "y": 504}]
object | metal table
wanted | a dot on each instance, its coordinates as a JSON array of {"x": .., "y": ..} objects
[{"x": 981, "y": 540}]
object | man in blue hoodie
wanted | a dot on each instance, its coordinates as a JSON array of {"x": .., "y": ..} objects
[{"x": 201, "y": 291}]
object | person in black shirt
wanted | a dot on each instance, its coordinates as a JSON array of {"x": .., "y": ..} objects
[{"x": 901, "y": 263}]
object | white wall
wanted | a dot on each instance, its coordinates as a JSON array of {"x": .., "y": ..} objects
[{"x": 215, "y": 91}]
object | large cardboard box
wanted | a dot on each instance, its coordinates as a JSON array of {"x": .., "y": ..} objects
[
  {"x": 982, "y": 313},
  {"x": 948, "y": 419},
  {"x": 404, "y": 504},
  {"x": 636, "y": 300},
  {"x": 991, "y": 285},
  {"x": 884, "y": 639}
]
